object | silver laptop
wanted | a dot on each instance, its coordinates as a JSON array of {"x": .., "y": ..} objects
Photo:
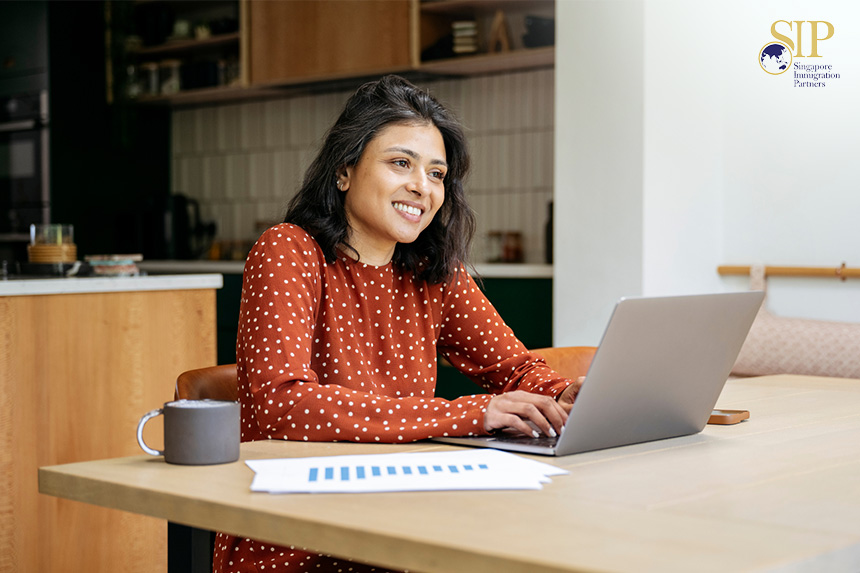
[{"x": 657, "y": 373}]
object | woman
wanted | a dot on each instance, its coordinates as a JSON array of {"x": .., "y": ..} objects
[{"x": 346, "y": 305}]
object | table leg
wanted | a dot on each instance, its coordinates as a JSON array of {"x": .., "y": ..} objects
[{"x": 189, "y": 549}]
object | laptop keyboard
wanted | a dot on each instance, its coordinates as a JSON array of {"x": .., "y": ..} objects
[{"x": 543, "y": 441}]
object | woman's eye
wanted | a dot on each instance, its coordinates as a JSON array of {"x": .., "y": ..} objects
[
  {"x": 438, "y": 175},
  {"x": 401, "y": 163}
]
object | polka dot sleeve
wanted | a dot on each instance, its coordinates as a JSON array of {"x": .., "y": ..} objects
[
  {"x": 340, "y": 351},
  {"x": 476, "y": 340}
]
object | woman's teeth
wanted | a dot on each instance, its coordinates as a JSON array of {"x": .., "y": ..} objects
[{"x": 407, "y": 209}]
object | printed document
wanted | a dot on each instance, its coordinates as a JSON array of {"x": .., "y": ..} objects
[{"x": 472, "y": 469}]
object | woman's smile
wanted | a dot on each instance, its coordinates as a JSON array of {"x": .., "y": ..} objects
[{"x": 411, "y": 212}]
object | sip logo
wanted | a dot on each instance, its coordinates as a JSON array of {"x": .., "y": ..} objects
[{"x": 791, "y": 40}]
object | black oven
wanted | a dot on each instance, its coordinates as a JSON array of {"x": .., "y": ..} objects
[{"x": 24, "y": 172}]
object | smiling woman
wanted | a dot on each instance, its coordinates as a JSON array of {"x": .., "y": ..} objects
[
  {"x": 394, "y": 191},
  {"x": 319, "y": 205},
  {"x": 346, "y": 305}
]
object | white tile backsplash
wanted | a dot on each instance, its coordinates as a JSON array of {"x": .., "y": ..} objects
[
  {"x": 214, "y": 174},
  {"x": 276, "y": 114},
  {"x": 299, "y": 124},
  {"x": 244, "y": 161},
  {"x": 237, "y": 179},
  {"x": 208, "y": 124},
  {"x": 261, "y": 174},
  {"x": 252, "y": 126},
  {"x": 228, "y": 126}
]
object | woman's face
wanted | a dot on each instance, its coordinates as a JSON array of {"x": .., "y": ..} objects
[{"x": 395, "y": 189}]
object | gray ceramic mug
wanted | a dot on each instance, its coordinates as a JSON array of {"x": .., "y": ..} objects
[{"x": 196, "y": 432}]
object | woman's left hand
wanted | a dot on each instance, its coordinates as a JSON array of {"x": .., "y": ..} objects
[{"x": 568, "y": 396}]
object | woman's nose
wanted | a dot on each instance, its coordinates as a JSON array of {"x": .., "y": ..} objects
[{"x": 418, "y": 184}]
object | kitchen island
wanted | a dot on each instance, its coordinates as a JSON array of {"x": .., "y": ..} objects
[{"x": 81, "y": 360}]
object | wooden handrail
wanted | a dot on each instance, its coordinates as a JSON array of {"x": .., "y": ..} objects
[{"x": 841, "y": 272}]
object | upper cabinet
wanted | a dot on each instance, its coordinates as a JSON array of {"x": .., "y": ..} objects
[
  {"x": 183, "y": 53},
  {"x": 304, "y": 40}
]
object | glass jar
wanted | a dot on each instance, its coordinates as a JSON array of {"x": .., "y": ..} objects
[
  {"x": 132, "y": 83},
  {"x": 170, "y": 82},
  {"x": 149, "y": 81}
]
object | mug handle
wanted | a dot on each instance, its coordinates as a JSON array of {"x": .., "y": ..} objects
[{"x": 143, "y": 420}]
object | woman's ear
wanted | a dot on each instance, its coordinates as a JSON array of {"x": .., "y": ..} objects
[{"x": 342, "y": 176}]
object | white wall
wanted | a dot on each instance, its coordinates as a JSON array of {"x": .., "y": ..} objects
[
  {"x": 676, "y": 153},
  {"x": 598, "y": 164}
]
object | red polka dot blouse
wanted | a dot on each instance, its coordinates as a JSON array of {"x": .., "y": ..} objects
[{"x": 348, "y": 351}]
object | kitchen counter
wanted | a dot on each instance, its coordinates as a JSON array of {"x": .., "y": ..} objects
[
  {"x": 81, "y": 359},
  {"x": 485, "y": 270},
  {"x": 43, "y": 286}
]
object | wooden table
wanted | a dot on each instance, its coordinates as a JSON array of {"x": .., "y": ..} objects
[{"x": 779, "y": 491}]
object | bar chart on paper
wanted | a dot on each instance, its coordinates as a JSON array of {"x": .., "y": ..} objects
[
  {"x": 425, "y": 471},
  {"x": 360, "y": 472}
]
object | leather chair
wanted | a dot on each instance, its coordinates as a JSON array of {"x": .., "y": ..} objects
[
  {"x": 214, "y": 383},
  {"x": 220, "y": 383},
  {"x": 569, "y": 361}
]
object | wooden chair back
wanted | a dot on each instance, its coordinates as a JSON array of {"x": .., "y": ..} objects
[
  {"x": 220, "y": 382},
  {"x": 569, "y": 361},
  {"x": 213, "y": 383}
]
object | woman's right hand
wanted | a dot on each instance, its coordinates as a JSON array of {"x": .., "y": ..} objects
[{"x": 516, "y": 409}]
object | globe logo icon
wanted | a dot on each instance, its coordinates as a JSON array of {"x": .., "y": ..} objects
[{"x": 775, "y": 58}]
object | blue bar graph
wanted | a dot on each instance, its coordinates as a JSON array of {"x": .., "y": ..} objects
[{"x": 368, "y": 472}]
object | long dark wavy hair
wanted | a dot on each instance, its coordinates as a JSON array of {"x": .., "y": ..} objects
[{"x": 441, "y": 249}]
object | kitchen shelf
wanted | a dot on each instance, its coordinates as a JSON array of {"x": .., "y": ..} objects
[
  {"x": 528, "y": 58},
  {"x": 438, "y": 16},
  {"x": 217, "y": 94},
  {"x": 189, "y": 45},
  {"x": 211, "y": 67},
  {"x": 465, "y": 6}
]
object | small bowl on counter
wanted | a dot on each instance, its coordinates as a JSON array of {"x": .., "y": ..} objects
[{"x": 114, "y": 265}]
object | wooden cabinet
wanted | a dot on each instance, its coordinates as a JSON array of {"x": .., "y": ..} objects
[
  {"x": 284, "y": 43},
  {"x": 312, "y": 39},
  {"x": 77, "y": 370},
  {"x": 305, "y": 40}
]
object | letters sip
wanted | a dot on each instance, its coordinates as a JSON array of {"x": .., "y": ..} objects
[{"x": 813, "y": 24}]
